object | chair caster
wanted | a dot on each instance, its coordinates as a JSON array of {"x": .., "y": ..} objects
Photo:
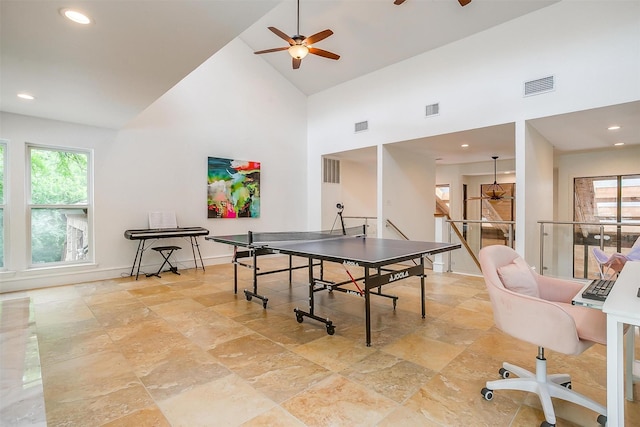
[
  {"x": 331, "y": 329},
  {"x": 567, "y": 385},
  {"x": 546, "y": 424},
  {"x": 486, "y": 393},
  {"x": 504, "y": 373},
  {"x": 602, "y": 420}
]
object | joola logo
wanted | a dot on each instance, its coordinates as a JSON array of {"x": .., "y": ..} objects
[
  {"x": 398, "y": 276},
  {"x": 351, "y": 263}
]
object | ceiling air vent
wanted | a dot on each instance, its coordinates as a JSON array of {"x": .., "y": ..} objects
[
  {"x": 535, "y": 87},
  {"x": 432, "y": 110},
  {"x": 362, "y": 126},
  {"x": 331, "y": 171}
]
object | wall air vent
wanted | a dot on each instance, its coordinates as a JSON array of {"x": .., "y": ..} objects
[
  {"x": 432, "y": 110},
  {"x": 362, "y": 126},
  {"x": 331, "y": 171},
  {"x": 543, "y": 85}
]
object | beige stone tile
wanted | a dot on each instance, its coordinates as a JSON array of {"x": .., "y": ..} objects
[
  {"x": 394, "y": 378},
  {"x": 91, "y": 390},
  {"x": 110, "y": 297},
  {"x": 181, "y": 369},
  {"x": 333, "y": 352},
  {"x": 275, "y": 417},
  {"x": 207, "y": 328},
  {"x": 149, "y": 290},
  {"x": 98, "y": 288},
  {"x": 146, "y": 417},
  {"x": 451, "y": 401},
  {"x": 228, "y": 401},
  {"x": 348, "y": 404},
  {"x": 69, "y": 347},
  {"x": 61, "y": 311},
  {"x": 178, "y": 306},
  {"x": 116, "y": 314},
  {"x": 146, "y": 343},
  {"x": 449, "y": 332},
  {"x": 426, "y": 352},
  {"x": 469, "y": 318}
]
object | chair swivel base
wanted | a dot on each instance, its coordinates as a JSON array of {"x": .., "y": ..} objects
[{"x": 546, "y": 387}]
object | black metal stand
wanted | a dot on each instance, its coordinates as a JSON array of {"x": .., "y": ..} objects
[{"x": 166, "y": 252}]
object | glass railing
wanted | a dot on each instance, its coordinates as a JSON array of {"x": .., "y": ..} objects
[
  {"x": 566, "y": 248},
  {"x": 473, "y": 235}
]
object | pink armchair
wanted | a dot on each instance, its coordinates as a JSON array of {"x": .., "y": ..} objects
[{"x": 537, "y": 309}]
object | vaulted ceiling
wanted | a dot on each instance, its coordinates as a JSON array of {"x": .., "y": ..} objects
[{"x": 106, "y": 73}]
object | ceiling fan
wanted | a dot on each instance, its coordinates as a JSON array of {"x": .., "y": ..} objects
[
  {"x": 300, "y": 46},
  {"x": 493, "y": 192},
  {"x": 462, "y": 2}
]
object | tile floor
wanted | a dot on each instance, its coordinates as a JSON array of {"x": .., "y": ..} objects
[{"x": 185, "y": 351}]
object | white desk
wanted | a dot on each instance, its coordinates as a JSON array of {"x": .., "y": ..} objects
[{"x": 622, "y": 306}]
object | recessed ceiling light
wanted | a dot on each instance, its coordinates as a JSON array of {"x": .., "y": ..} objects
[
  {"x": 615, "y": 127},
  {"x": 464, "y": 145},
  {"x": 26, "y": 96},
  {"x": 76, "y": 16},
  {"x": 617, "y": 144}
]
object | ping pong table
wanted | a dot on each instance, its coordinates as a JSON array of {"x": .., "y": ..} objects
[{"x": 374, "y": 256}]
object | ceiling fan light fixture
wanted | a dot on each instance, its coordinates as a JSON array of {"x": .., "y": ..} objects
[
  {"x": 75, "y": 16},
  {"x": 298, "y": 51}
]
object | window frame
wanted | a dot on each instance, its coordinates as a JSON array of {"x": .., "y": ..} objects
[
  {"x": 30, "y": 206},
  {"x": 4, "y": 144}
]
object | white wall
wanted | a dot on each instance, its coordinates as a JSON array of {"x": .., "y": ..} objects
[
  {"x": 407, "y": 195},
  {"x": 590, "y": 47},
  {"x": 356, "y": 192},
  {"x": 233, "y": 105}
]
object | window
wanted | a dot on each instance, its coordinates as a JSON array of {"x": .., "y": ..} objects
[
  {"x": 3, "y": 162},
  {"x": 60, "y": 208},
  {"x": 611, "y": 201},
  {"x": 442, "y": 199}
]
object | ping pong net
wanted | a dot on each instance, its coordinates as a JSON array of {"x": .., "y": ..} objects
[{"x": 257, "y": 238}]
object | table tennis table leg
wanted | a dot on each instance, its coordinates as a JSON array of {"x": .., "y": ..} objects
[
  {"x": 248, "y": 294},
  {"x": 300, "y": 314},
  {"x": 422, "y": 293},
  {"x": 367, "y": 306}
]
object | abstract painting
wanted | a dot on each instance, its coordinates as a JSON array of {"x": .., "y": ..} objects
[{"x": 233, "y": 188}]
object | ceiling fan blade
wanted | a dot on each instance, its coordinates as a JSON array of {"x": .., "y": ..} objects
[
  {"x": 296, "y": 63},
  {"x": 317, "y": 37},
  {"x": 399, "y": 2},
  {"x": 282, "y": 35},
  {"x": 323, "y": 53},
  {"x": 276, "y": 49},
  {"x": 464, "y": 2}
]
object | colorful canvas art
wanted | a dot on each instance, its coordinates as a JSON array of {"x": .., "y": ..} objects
[{"x": 233, "y": 188}]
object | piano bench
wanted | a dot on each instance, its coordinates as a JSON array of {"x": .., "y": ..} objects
[{"x": 166, "y": 252}]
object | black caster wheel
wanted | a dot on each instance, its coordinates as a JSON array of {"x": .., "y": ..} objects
[
  {"x": 602, "y": 420},
  {"x": 299, "y": 318},
  {"x": 486, "y": 393},
  {"x": 546, "y": 424},
  {"x": 264, "y": 303},
  {"x": 331, "y": 329},
  {"x": 249, "y": 297},
  {"x": 567, "y": 385},
  {"x": 504, "y": 373},
  {"x": 394, "y": 304}
]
